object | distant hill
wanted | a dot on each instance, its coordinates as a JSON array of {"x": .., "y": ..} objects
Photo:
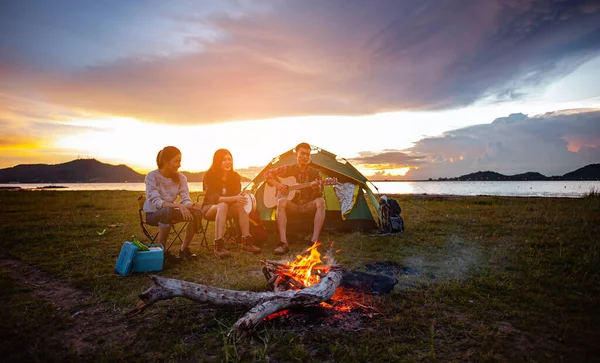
[
  {"x": 483, "y": 175},
  {"x": 76, "y": 171},
  {"x": 80, "y": 171},
  {"x": 194, "y": 177},
  {"x": 491, "y": 175},
  {"x": 589, "y": 172}
]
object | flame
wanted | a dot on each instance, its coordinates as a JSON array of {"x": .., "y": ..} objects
[
  {"x": 302, "y": 268},
  {"x": 306, "y": 271}
]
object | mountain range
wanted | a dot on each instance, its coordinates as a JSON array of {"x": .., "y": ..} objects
[
  {"x": 94, "y": 171},
  {"x": 588, "y": 172},
  {"x": 79, "y": 171}
]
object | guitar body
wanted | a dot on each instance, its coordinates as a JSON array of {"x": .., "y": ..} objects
[{"x": 271, "y": 195}]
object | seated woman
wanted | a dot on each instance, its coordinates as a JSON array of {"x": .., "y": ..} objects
[
  {"x": 223, "y": 200},
  {"x": 163, "y": 186}
]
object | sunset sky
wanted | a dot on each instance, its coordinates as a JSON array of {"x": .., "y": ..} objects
[{"x": 404, "y": 89}]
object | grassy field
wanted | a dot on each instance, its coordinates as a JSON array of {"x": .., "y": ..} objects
[{"x": 480, "y": 279}]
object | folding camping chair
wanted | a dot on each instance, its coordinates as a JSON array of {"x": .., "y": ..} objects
[
  {"x": 232, "y": 234},
  {"x": 151, "y": 231}
]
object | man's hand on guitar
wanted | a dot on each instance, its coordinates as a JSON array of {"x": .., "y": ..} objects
[
  {"x": 283, "y": 189},
  {"x": 316, "y": 183}
]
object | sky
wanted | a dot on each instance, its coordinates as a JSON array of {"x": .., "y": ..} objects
[{"x": 403, "y": 89}]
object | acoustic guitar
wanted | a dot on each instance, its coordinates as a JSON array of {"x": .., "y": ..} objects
[{"x": 271, "y": 194}]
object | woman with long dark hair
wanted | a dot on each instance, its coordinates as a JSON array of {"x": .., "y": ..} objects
[
  {"x": 225, "y": 199},
  {"x": 163, "y": 187}
]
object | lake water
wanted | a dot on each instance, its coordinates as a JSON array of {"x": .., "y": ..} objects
[{"x": 564, "y": 189}]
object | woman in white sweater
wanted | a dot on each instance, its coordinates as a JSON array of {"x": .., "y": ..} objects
[{"x": 163, "y": 186}]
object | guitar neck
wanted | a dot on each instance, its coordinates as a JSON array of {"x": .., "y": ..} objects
[{"x": 299, "y": 186}]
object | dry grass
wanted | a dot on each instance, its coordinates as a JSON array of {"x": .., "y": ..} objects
[{"x": 492, "y": 279}]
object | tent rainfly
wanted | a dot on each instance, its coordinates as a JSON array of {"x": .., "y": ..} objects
[{"x": 350, "y": 204}]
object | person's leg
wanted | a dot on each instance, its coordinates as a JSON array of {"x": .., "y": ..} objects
[
  {"x": 316, "y": 207},
  {"x": 319, "y": 218},
  {"x": 221, "y": 220},
  {"x": 236, "y": 210},
  {"x": 173, "y": 216},
  {"x": 163, "y": 234},
  {"x": 219, "y": 213},
  {"x": 163, "y": 219},
  {"x": 284, "y": 207},
  {"x": 190, "y": 231}
]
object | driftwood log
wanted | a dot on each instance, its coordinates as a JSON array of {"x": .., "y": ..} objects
[
  {"x": 288, "y": 291},
  {"x": 261, "y": 304}
]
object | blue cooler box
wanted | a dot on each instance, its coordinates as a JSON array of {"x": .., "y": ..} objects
[
  {"x": 145, "y": 261},
  {"x": 126, "y": 256}
]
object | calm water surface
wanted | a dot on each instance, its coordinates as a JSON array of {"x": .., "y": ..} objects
[{"x": 565, "y": 189}]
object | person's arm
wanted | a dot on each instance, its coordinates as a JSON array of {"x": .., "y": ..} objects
[
  {"x": 317, "y": 185},
  {"x": 154, "y": 197},
  {"x": 185, "y": 202},
  {"x": 184, "y": 192},
  {"x": 234, "y": 188},
  {"x": 213, "y": 192},
  {"x": 272, "y": 178},
  {"x": 152, "y": 191}
]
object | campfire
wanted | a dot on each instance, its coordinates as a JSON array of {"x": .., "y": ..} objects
[
  {"x": 306, "y": 270},
  {"x": 304, "y": 283}
]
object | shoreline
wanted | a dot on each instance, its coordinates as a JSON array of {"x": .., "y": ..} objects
[{"x": 421, "y": 196}]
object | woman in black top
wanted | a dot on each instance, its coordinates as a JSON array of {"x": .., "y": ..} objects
[{"x": 224, "y": 199}]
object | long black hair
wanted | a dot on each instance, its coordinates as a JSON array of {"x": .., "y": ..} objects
[
  {"x": 218, "y": 160},
  {"x": 166, "y": 155}
]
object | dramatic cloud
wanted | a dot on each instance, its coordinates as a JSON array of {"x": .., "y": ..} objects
[
  {"x": 289, "y": 58},
  {"x": 387, "y": 159},
  {"x": 552, "y": 144}
]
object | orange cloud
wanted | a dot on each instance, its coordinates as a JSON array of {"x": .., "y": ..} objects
[{"x": 308, "y": 58}]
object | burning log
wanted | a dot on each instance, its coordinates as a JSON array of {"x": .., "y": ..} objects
[
  {"x": 301, "y": 283},
  {"x": 262, "y": 304}
]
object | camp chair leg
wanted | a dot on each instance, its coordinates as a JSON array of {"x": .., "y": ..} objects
[
  {"x": 147, "y": 232},
  {"x": 202, "y": 229},
  {"x": 231, "y": 234},
  {"x": 176, "y": 234},
  {"x": 151, "y": 237}
]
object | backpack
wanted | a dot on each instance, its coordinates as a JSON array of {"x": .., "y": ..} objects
[
  {"x": 392, "y": 222},
  {"x": 257, "y": 228}
]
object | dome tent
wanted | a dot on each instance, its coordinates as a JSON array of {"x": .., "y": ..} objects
[{"x": 364, "y": 210}]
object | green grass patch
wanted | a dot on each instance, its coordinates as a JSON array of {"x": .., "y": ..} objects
[{"x": 491, "y": 279}]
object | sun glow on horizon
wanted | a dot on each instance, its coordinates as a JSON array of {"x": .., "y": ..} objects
[
  {"x": 389, "y": 173},
  {"x": 253, "y": 144}
]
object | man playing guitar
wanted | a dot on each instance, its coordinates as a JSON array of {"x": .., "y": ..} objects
[{"x": 307, "y": 200}]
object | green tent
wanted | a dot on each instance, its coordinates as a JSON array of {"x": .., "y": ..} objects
[{"x": 362, "y": 213}]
